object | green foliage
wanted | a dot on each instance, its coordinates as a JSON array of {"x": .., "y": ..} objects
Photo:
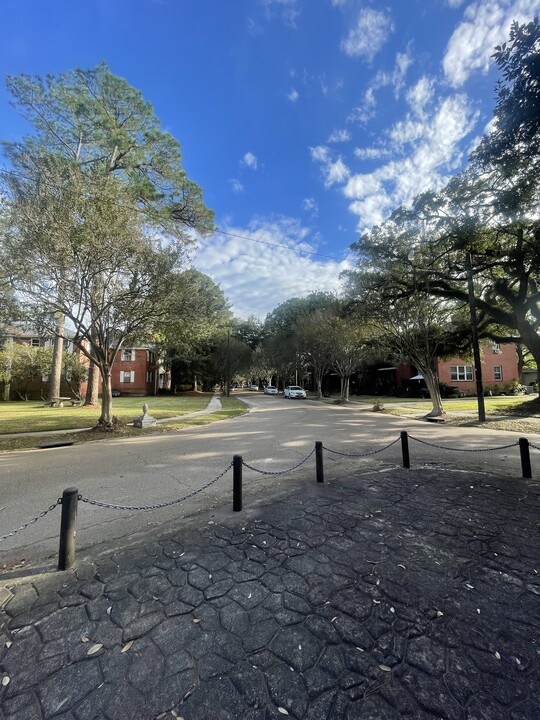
[{"x": 98, "y": 198}]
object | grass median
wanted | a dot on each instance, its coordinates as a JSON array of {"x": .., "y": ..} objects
[{"x": 231, "y": 407}]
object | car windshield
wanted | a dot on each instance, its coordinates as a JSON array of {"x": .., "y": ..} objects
[{"x": 295, "y": 387}]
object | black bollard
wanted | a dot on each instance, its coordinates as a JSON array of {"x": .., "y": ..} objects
[
  {"x": 526, "y": 470},
  {"x": 237, "y": 483},
  {"x": 68, "y": 528},
  {"x": 405, "y": 449},
  {"x": 319, "y": 468}
]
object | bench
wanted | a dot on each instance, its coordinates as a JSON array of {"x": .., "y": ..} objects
[{"x": 59, "y": 401}]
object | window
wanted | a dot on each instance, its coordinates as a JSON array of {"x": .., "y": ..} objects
[
  {"x": 35, "y": 342},
  {"x": 497, "y": 373},
  {"x": 461, "y": 372},
  {"x": 127, "y": 376},
  {"x": 128, "y": 354},
  {"x": 496, "y": 348}
]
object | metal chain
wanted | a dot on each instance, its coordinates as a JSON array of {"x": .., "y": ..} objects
[
  {"x": 371, "y": 452},
  {"x": 534, "y": 446},
  {"x": 473, "y": 450},
  {"x": 31, "y": 522},
  {"x": 156, "y": 506},
  {"x": 278, "y": 472}
]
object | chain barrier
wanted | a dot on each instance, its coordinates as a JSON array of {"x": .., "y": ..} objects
[
  {"x": 472, "y": 450},
  {"x": 534, "y": 446},
  {"x": 366, "y": 454},
  {"x": 278, "y": 472},
  {"x": 156, "y": 506},
  {"x": 31, "y": 522}
]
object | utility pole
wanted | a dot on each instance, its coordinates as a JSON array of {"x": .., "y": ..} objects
[
  {"x": 228, "y": 365},
  {"x": 476, "y": 344}
]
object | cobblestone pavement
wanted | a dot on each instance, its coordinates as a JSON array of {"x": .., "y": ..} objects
[{"x": 387, "y": 594}]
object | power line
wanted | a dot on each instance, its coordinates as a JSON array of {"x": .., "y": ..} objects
[
  {"x": 271, "y": 244},
  {"x": 4, "y": 171}
]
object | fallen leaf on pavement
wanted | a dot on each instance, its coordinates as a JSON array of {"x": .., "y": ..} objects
[
  {"x": 94, "y": 649},
  {"x": 127, "y": 646}
]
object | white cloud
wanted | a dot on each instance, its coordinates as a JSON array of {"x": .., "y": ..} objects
[
  {"x": 334, "y": 171},
  {"x": 486, "y": 23},
  {"x": 455, "y": 3},
  {"x": 319, "y": 153},
  {"x": 371, "y": 153},
  {"x": 289, "y": 10},
  {"x": 339, "y": 136},
  {"x": 366, "y": 110},
  {"x": 250, "y": 160},
  {"x": 420, "y": 94},
  {"x": 293, "y": 95},
  {"x": 236, "y": 185},
  {"x": 369, "y": 35},
  {"x": 252, "y": 274},
  {"x": 434, "y": 151},
  {"x": 310, "y": 206}
]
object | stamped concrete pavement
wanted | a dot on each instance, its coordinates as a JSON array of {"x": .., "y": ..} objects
[{"x": 383, "y": 595}]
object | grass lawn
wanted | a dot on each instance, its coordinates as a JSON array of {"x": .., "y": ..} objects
[
  {"x": 33, "y": 416},
  {"x": 520, "y": 404},
  {"x": 231, "y": 407}
]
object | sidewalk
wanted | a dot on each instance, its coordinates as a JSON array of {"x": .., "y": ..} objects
[
  {"x": 386, "y": 594},
  {"x": 213, "y": 406}
]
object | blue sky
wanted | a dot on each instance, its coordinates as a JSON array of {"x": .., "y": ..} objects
[{"x": 305, "y": 121}]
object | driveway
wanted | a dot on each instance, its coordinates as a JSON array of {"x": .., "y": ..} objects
[{"x": 275, "y": 435}]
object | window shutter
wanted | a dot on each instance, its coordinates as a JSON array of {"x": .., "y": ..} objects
[{"x": 133, "y": 376}]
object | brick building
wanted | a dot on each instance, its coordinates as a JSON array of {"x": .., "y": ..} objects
[{"x": 499, "y": 367}]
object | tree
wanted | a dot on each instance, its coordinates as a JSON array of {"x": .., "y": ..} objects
[
  {"x": 283, "y": 345},
  {"x": 348, "y": 338},
  {"x": 512, "y": 147},
  {"x": 196, "y": 310},
  {"x": 122, "y": 207},
  {"x": 312, "y": 333},
  {"x": 21, "y": 364},
  {"x": 392, "y": 289}
]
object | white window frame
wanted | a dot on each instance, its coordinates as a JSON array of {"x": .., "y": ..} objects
[
  {"x": 497, "y": 373},
  {"x": 35, "y": 342},
  {"x": 496, "y": 348},
  {"x": 128, "y": 355},
  {"x": 461, "y": 373},
  {"x": 127, "y": 376}
]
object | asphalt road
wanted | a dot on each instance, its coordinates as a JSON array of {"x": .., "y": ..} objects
[{"x": 275, "y": 435}]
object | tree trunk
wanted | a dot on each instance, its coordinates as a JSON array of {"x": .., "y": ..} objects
[
  {"x": 56, "y": 368},
  {"x": 432, "y": 382},
  {"x": 195, "y": 383},
  {"x": 92, "y": 389},
  {"x": 345, "y": 385},
  {"x": 318, "y": 384},
  {"x": 106, "y": 419}
]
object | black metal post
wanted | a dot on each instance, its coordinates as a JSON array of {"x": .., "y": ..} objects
[
  {"x": 526, "y": 470},
  {"x": 405, "y": 449},
  {"x": 237, "y": 483},
  {"x": 319, "y": 461},
  {"x": 68, "y": 528}
]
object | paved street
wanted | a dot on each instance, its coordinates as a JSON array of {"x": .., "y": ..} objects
[
  {"x": 275, "y": 435},
  {"x": 383, "y": 595}
]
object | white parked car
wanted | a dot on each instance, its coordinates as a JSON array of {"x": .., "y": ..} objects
[
  {"x": 253, "y": 387},
  {"x": 270, "y": 390},
  {"x": 294, "y": 391}
]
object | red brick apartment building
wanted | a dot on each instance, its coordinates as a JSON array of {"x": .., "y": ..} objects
[
  {"x": 499, "y": 367},
  {"x": 135, "y": 370}
]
